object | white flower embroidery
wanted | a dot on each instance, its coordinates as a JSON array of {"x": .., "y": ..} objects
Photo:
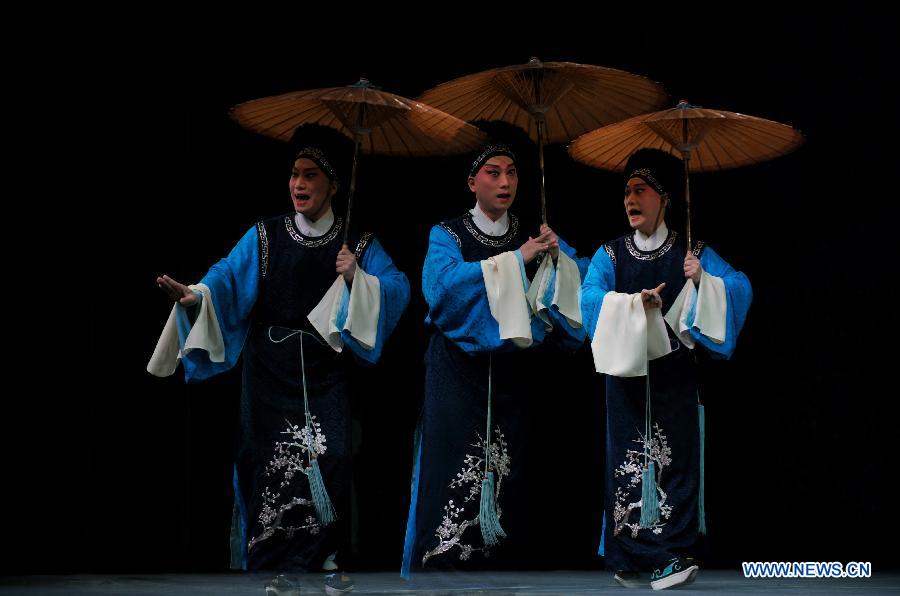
[
  {"x": 658, "y": 451},
  {"x": 289, "y": 458},
  {"x": 451, "y": 530}
]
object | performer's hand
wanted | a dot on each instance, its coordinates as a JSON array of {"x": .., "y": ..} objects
[
  {"x": 553, "y": 243},
  {"x": 536, "y": 245},
  {"x": 346, "y": 264},
  {"x": 178, "y": 292},
  {"x": 692, "y": 268},
  {"x": 651, "y": 298}
]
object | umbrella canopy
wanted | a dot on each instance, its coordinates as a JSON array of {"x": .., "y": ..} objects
[
  {"x": 383, "y": 123},
  {"x": 568, "y": 98},
  {"x": 710, "y": 139}
]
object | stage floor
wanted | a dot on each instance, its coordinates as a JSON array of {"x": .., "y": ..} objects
[{"x": 470, "y": 584}]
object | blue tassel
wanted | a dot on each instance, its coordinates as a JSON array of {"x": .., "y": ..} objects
[
  {"x": 491, "y": 531},
  {"x": 701, "y": 416},
  {"x": 321, "y": 501},
  {"x": 649, "y": 497}
]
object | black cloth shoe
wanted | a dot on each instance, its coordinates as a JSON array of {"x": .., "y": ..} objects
[{"x": 676, "y": 572}]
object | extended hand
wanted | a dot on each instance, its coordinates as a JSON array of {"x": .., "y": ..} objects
[{"x": 178, "y": 292}]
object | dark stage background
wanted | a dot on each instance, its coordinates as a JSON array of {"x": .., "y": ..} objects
[{"x": 117, "y": 471}]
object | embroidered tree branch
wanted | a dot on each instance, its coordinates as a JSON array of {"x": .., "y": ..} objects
[
  {"x": 451, "y": 531},
  {"x": 655, "y": 448},
  {"x": 290, "y": 456}
]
